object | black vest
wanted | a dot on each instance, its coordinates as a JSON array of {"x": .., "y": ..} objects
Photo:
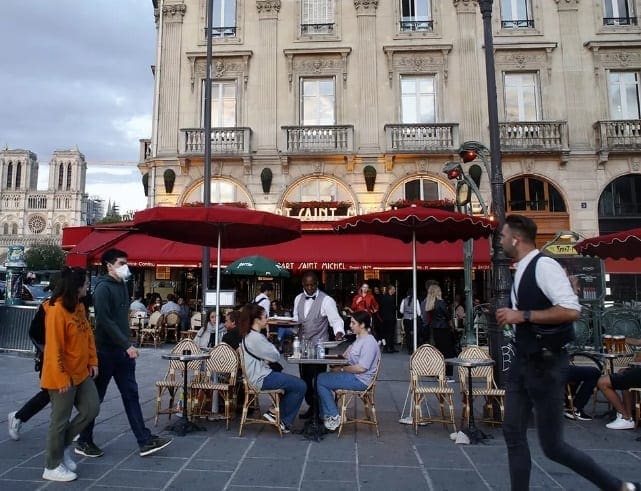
[{"x": 530, "y": 337}]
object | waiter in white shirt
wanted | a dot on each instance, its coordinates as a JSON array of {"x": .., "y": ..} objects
[{"x": 315, "y": 311}]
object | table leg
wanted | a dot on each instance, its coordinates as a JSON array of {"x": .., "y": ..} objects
[
  {"x": 313, "y": 429},
  {"x": 474, "y": 434},
  {"x": 183, "y": 426}
]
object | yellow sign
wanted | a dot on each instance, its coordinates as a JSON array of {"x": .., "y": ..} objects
[{"x": 561, "y": 249}]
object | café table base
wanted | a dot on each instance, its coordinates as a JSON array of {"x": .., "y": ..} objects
[{"x": 182, "y": 426}]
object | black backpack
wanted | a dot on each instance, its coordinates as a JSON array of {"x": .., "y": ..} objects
[{"x": 37, "y": 336}]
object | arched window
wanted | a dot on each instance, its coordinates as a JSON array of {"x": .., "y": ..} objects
[
  {"x": 5, "y": 229},
  {"x": 422, "y": 188},
  {"x": 68, "y": 176},
  {"x": 530, "y": 194},
  {"x": 620, "y": 199},
  {"x": 18, "y": 174},
  {"x": 222, "y": 191},
  {"x": 14, "y": 229},
  {"x": 317, "y": 198},
  {"x": 61, "y": 173},
  {"x": 9, "y": 175}
]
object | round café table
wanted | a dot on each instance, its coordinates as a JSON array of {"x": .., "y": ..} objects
[
  {"x": 474, "y": 434},
  {"x": 183, "y": 425}
]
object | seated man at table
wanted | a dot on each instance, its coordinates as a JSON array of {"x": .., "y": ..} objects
[
  {"x": 362, "y": 356},
  {"x": 582, "y": 380},
  {"x": 623, "y": 380}
]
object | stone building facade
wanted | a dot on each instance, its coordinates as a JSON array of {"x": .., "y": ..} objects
[
  {"x": 317, "y": 94},
  {"x": 29, "y": 215}
]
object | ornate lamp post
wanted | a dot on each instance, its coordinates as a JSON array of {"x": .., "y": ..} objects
[{"x": 501, "y": 277}]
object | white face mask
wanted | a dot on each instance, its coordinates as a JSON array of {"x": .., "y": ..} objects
[{"x": 123, "y": 272}]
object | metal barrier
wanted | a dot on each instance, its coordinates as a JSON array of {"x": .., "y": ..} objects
[{"x": 14, "y": 327}]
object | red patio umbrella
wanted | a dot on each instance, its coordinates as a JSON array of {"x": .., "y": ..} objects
[
  {"x": 619, "y": 245},
  {"x": 417, "y": 223},
  {"x": 217, "y": 226}
]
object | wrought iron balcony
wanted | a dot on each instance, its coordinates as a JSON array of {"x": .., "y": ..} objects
[
  {"x": 517, "y": 24},
  {"x": 422, "y": 138},
  {"x": 619, "y": 135},
  {"x": 307, "y": 29},
  {"x": 222, "y": 32},
  {"x": 318, "y": 139},
  {"x": 417, "y": 25},
  {"x": 534, "y": 136},
  {"x": 145, "y": 149},
  {"x": 619, "y": 21},
  {"x": 224, "y": 141}
]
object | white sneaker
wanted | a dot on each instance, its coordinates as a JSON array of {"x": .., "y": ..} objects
[
  {"x": 68, "y": 461},
  {"x": 384, "y": 342},
  {"x": 621, "y": 424},
  {"x": 14, "y": 426},
  {"x": 59, "y": 474},
  {"x": 332, "y": 422}
]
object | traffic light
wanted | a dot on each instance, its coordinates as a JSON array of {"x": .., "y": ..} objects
[{"x": 453, "y": 170}]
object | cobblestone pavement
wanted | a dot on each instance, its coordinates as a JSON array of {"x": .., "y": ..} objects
[{"x": 219, "y": 459}]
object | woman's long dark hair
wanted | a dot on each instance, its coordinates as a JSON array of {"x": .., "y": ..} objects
[
  {"x": 248, "y": 314},
  {"x": 71, "y": 280},
  {"x": 362, "y": 317}
]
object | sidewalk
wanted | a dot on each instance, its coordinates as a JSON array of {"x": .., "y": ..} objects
[{"x": 219, "y": 459}]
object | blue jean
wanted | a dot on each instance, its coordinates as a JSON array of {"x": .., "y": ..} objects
[
  {"x": 294, "y": 393},
  {"x": 284, "y": 331},
  {"x": 537, "y": 383},
  {"x": 328, "y": 382},
  {"x": 117, "y": 364}
]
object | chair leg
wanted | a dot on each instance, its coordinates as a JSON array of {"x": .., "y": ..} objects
[
  {"x": 416, "y": 411},
  {"x": 343, "y": 409}
]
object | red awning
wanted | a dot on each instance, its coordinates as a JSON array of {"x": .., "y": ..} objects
[
  {"x": 314, "y": 250},
  {"x": 623, "y": 266}
]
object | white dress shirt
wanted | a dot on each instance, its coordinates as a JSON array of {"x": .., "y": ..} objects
[{"x": 328, "y": 309}]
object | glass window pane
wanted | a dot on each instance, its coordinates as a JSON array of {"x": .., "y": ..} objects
[
  {"x": 556, "y": 201},
  {"x": 430, "y": 190},
  {"x": 418, "y": 99},
  {"x": 413, "y": 189},
  {"x": 536, "y": 195},
  {"x": 517, "y": 195},
  {"x": 318, "y": 102}
]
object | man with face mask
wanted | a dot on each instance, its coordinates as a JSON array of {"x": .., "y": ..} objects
[{"x": 116, "y": 355}]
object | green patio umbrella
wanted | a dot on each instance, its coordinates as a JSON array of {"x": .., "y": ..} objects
[{"x": 256, "y": 266}]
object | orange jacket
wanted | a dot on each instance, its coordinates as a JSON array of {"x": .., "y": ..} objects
[
  {"x": 366, "y": 302},
  {"x": 69, "y": 346}
]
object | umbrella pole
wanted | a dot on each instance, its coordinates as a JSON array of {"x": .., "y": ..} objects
[
  {"x": 217, "y": 286},
  {"x": 415, "y": 320}
]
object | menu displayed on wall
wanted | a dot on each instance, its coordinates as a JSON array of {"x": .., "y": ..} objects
[{"x": 586, "y": 276}]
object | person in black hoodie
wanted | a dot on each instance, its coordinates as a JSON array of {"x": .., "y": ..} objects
[{"x": 116, "y": 355}]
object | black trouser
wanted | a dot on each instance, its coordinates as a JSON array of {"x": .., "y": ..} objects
[
  {"x": 444, "y": 342},
  {"x": 307, "y": 373},
  {"x": 33, "y": 406},
  {"x": 389, "y": 329},
  {"x": 537, "y": 382}
]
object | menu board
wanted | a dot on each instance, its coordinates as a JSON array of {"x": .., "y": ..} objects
[{"x": 586, "y": 276}]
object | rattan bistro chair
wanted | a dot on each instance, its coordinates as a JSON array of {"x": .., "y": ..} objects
[
  {"x": 173, "y": 379},
  {"x": 171, "y": 325},
  {"x": 252, "y": 396},
  {"x": 344, "y": 397},
  {"x": 427, "y": 376},
  {"x": 152, "y": 332},
  {"x": 488, "y": 389},
  {"x": 219, "y": 375}
]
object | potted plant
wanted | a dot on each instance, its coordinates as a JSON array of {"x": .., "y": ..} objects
[
  {"x": 266, "y": 179},
  {"x": 169, "y": 176},
  {"x": 443, "y": 204},
  {"x": 145, "y": 183},
  {"x": 369, "y": 172}
]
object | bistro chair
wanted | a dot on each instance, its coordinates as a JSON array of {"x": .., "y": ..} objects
[
  {"x": 252, "y": 396},
  {"x": 136, "y": 322},
  {"x": 636, "y": 398},
  {"x": 152, "y": 332},
  {"x": 494, "y": 397},
  {"x": 427, "y": 376},
  {"x": 171, "y": 325},
  {"x": 344, "y": 397},
  {"x": 219, "y": 375},
  {"x": 173, "y": 379}
]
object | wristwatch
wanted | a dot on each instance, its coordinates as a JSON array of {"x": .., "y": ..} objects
[
  {"x": 527, "y": 315},
  {"x": 342, "y": 369}
]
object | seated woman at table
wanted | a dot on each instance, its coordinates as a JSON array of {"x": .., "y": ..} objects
[
  {"x": 258, "y": 352},
  {"x": 362, "y": 355}
]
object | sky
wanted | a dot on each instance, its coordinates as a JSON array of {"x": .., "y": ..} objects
[{"x": 77, "y": 73}]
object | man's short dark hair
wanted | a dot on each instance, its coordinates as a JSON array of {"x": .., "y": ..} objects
[
  {"x": 523, "y": 226},
  {"x": 311, "y": 275},
  {"x": 111, "y": 256},
  {"x": 266, "y": 287}
]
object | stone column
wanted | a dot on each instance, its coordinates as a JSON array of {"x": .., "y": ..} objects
[
  {"x": 473, "y": 98},
  {"x": 574, "y": 76},
  {"x": 267, "y": 129},
  {"x": 367, "y": 71},
  {"x": 169, "y": 86}
]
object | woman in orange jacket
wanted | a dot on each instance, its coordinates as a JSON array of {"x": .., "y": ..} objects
[{"x": 70, "y": 363}]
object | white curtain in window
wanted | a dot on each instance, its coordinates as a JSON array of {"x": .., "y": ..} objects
[
  {"x": 418, "y": 99},
  {"x": 521, "y": 97},
  {"x": 618, "y": 9},
  {"x": 318, "y": 101},
  {"x": 224, "y": 13},
  {"x": 516, "y": 10},
  {"x": 624, "y": 97},
  {"x": 416, "y": 10},
  {"x": 223, "y": 104},
  {"x": 317, "y": 12}
]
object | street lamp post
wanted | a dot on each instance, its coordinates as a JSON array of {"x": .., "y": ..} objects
[{"x": 501, "y": 278}]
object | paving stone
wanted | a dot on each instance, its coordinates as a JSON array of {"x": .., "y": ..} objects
[
  {"x": 144, "y": 479},
  {"x": 193, "y": 479},
  {"x": 391, "y": 477},
  {"x": 328, "y": 471},
  {"x": 268, "y": 472}
]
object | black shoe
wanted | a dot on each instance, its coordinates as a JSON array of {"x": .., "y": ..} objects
[
  {"x": 89, "y": 449},
  {"x": 307, "y": 414},
  {"x": 581, "y": 415},
  {"x": 154, "y": 444}
]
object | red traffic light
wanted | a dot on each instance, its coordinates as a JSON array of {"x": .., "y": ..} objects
[{"x": 468, "y": 155}]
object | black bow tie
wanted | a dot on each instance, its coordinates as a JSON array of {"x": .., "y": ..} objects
[{"x": 313, "y": 297}]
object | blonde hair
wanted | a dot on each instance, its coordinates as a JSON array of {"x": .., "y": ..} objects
[{"x": 433, "y": 294}]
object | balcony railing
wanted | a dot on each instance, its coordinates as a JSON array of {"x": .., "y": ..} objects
[
  {"x": 319, "y": 139},
  {"x": 145, "y": 149},
  {"x": 224, "y": 141},
  {"x": 222, "y": 32},
  {"x": 619, "y": 135},
  {"x": 417, "y": 25},
  {"x": 517, "y": 24},
  {"x": 422, "y": 138},
  {"x": 37, "y": 201},
  {"x": 11, "y": 201},
  {"x": 534, "y": 136},
  {"x": 307, "y": 29},
  {"x": 619, "y": 21}
]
